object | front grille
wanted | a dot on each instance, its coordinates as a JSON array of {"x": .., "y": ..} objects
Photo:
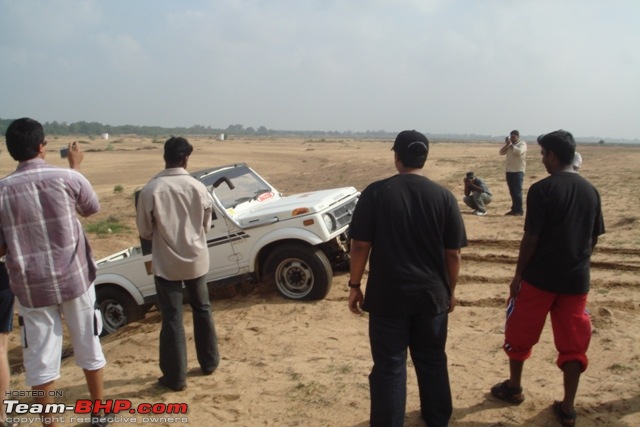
[{"x": 343, "y": 213}]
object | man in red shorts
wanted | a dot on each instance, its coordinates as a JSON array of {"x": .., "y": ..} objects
[{"x": 562, "y": 225}]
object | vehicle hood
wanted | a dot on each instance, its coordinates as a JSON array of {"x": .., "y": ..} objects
[{"x": 283, "y": 208}]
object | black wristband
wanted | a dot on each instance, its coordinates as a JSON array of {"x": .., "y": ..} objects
[{"x": 354, "y": 285}]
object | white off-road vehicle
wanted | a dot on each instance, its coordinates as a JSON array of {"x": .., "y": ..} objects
[{"x": 257, "y": 234}]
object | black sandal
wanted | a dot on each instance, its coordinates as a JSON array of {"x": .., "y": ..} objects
[
  {"x": 509, "y": 394},
  {"x": 566, "y": 419}
]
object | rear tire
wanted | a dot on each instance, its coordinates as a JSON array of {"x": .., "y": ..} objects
[
  {"x": 117, "y": 308},
  {"x": 300, "y": 272}
]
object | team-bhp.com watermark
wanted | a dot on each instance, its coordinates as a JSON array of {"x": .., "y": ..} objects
[{"x": 117, "y": 410}]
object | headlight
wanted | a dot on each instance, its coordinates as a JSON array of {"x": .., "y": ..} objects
[{"x": 329, "y": 222}]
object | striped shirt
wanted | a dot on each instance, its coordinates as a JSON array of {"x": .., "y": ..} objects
[{"x": 48, "y": 255}]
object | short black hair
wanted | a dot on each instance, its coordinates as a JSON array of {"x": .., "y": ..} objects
[
  {"x": 515, "y": 132},
  {"x": 561, "y": 143},
  {"x": 23, "y": 137},
  {"x": 176, "y": 149}
]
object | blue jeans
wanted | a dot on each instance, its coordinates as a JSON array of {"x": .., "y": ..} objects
[
  {"x": 426, "y": 338},
  {"x": 173, "y": 351},
  {"x": 514, "y": 182}
]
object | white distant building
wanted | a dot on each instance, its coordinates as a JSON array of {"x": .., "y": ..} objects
[
  {"x": 105, "y": 135},
  {"x": 221, "y": 137}
]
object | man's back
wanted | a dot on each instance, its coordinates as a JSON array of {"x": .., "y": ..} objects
[
  {"x": 48, "y": 255},
  {"x": 174, "y": 209},
  {"x": 410, "y": 221},
  {"x": 564, "y": 211}
]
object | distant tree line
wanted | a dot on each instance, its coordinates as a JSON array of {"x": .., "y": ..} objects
[
  {"x": 95, "y": 128},
  {"x": 92, "y": 129}
]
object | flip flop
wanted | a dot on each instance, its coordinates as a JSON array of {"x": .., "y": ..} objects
[
  {"x": 509, "y": 394},
  {"x": 566, "y": 419}
]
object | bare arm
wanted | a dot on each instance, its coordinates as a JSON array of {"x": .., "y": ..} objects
[
  {"x": 527, "y": 248},
  {"x": 470, "y": 186},
  {"x": 467, "y": 187},
  {"x": 507, "y": 143},
  {"x": 76, "y": 156},
  {"x": 359, "y": 255},
  {"x": 453, "y": 258}
]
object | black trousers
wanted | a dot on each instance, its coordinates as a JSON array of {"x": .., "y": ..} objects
[
  {"x": 426, "y": 337},
  {"x": 173, "y": 352}
]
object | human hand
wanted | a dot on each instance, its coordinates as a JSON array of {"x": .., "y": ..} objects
[
  {"x": 76, "y": 156},
  {"x": 355, "y": 300},
  {"x": 452, "y": 303},
  {"x": 514, "y": 288}
]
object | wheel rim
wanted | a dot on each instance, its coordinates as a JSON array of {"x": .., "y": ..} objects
[
  {"x": 294, "y": 278},
  {"x": 113, "y": 316}
]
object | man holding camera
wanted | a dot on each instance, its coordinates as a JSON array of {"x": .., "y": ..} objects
[
  {"x": 515, "y": 152},
  {"x": 50, "y": 263},
  {"x": 476, "y": 194}
]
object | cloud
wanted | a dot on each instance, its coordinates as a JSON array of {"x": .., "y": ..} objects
[{"x": 455, "y": 66}]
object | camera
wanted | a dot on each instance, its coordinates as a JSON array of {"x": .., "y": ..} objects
[{"x": 64, "y": 153}]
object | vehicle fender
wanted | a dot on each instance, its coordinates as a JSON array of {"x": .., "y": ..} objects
[
  {"x": 122, "y": 282},
  {"x": 277, "y": 235}
]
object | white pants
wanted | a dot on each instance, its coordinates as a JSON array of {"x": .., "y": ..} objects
[{"x": 41, "y": 333}]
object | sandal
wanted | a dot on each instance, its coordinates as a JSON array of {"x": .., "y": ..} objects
[
  {"x": 509, "y": 394},
  {"x": 566, "y": 419}
]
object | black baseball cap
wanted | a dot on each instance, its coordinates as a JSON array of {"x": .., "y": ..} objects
[{"x": 411, "y": 141}]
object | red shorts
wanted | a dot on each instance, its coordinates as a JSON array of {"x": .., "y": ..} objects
[{"x": 571, "y": 324}]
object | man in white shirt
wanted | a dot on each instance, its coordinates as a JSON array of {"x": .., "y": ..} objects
[
  {"x": 174, "y": 212},
  {"x": 515, "y": 151}
]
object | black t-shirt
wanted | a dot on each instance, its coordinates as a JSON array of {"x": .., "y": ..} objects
[
  {"x": 410, "y": 221},
  {"x": 565, "y": 212}
]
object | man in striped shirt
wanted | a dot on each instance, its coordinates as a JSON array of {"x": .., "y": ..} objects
[{"x": 49, "y": 260}]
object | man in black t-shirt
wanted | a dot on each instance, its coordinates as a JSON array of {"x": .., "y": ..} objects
[
  {"x": 563, "y": 222},
  {"x": 411, "y": 231}
]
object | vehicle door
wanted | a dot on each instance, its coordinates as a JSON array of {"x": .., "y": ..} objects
[{"x": 223, "y": 261}]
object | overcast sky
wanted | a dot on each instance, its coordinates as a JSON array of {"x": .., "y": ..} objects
[{"x": 459, "y": 66}]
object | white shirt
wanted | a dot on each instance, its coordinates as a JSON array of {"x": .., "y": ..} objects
[
  {"x": 516, "y": 160},
  {"x": 174, "y": 212}
]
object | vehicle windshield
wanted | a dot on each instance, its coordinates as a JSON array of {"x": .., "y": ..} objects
[{"x": 247, "y": 185}]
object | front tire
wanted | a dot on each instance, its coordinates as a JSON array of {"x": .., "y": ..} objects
[
  {"x": 300, "y": 272},
  {"x": 117, "y": 308}
]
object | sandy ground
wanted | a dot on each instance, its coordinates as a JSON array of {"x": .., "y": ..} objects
[{"x": 287, "y": 363}]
